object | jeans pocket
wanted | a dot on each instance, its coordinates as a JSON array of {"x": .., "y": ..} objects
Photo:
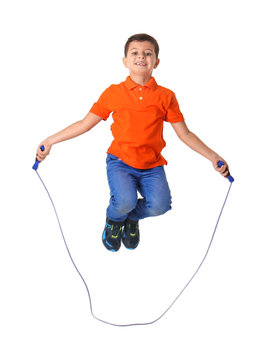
[{"x": 111, "y": 157}]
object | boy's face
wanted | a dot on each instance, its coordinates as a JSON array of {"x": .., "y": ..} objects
[{"x": 141, "y": 58}]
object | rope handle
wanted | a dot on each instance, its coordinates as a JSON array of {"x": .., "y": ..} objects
[
  {"x": 229, "y": 177},
  {"x": 35, "y": 166}
]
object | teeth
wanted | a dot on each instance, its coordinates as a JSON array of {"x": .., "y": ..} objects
[{"x": 140, "y": 64}]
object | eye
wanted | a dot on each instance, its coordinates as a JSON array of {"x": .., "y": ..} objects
[
  {"x": 134, "y": 53},
  {"x": 148, "y": 54}
]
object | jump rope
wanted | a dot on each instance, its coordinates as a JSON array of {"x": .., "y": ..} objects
[{"x": 231, "y": 180}]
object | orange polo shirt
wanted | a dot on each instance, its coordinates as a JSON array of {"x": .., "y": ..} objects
[{"x": 138, "y": 113}]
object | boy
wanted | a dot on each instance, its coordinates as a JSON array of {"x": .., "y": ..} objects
[{"x": 134, "y": 160}]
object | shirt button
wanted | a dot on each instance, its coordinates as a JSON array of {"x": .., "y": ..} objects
[
  {"x": 140, "y": 89},
  {"x": 140, "y": 97}
]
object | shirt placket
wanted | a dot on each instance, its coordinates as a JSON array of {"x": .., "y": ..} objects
[
  {"x": 141, "y": 93},
  {"x": 140, "y": 89}
]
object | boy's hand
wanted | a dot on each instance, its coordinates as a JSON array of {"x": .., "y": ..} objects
[
  {"x": 224, "y": 169},
  {"x": 41, "y": 155}
]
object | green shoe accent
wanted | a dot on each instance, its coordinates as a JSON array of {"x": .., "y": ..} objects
[
  {"x": 131, "y": 234},
  {"x": 112, "y": 235}
]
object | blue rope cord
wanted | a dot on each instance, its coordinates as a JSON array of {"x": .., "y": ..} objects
[{"x": 85, "y": 284}]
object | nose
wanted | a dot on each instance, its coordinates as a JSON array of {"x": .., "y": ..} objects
[{"x": 141, "y": 56}]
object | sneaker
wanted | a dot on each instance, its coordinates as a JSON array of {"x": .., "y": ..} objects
[
  {"x": 112, "y": 234},
  {"x": 131, "y": 234}
]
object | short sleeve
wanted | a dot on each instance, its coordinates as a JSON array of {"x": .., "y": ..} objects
[
  {"x": 102, "y": 107},
  {"x": 173, "y": 114}
]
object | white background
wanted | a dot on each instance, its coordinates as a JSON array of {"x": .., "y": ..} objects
[{"x": 57, "y": 58}]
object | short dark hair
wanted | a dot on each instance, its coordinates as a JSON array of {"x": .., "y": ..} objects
[{"x": 142, "y": 37}]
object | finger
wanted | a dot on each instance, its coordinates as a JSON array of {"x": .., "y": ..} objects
[
  {"x": 218, "y": 167},
  {"x": 42, "y": 154},
  {"x": 40, "y": 158},
  {"x": 224, "y": 170},
  {"x": 221, "y": 169}
]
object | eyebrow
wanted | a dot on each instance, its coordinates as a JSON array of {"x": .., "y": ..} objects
[{"x": 137, "y": 49}]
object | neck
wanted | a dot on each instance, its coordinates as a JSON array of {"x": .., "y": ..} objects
[{"x": 140, "y": 79}]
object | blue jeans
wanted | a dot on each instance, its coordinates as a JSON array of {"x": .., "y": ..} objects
[{"x": 125, "y": 181}]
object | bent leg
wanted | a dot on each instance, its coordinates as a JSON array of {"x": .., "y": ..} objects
[
  {"x": 123, "y": 189},
  {"x": 154, "y": 188}
]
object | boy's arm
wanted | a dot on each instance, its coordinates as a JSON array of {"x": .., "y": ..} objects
[
  {"x": 75, "y": 129},
  {"x": 197, "y": 145}
]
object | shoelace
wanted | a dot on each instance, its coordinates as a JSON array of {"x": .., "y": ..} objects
[{"x": 115, "y": 229}]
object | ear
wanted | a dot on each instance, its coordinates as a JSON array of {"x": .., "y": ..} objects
[
  {"x": 156, "y": 64},
  {"x": 125, "y": 61}
]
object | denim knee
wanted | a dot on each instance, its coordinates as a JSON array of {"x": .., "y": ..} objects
[
  {"x": 159, "y": 206},
  {"x": 124, "y": 204}
]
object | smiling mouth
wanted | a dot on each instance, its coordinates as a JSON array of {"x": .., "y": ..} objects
[{"x": 140, "y": 64}]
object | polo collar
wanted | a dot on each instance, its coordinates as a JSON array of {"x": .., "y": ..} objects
[{"x": 130, "y": 84}]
